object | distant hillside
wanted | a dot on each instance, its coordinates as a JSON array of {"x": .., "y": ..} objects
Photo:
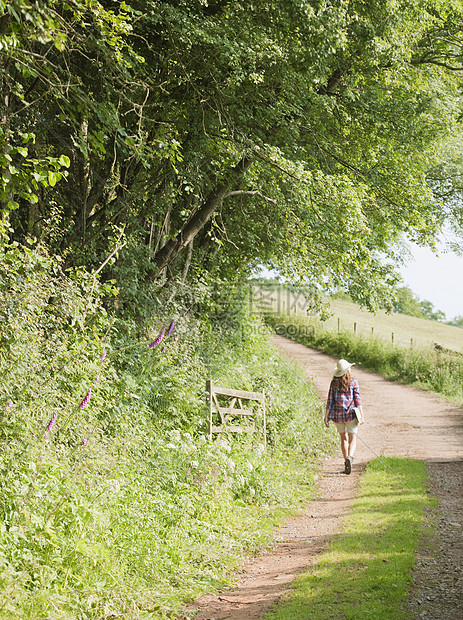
[{"x": 403, "y": 329}]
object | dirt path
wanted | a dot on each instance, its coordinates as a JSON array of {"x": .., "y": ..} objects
[{"x": 400, "y": 421}]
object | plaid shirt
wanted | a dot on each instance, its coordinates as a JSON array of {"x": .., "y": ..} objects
[{"x": 340, "y": 405}]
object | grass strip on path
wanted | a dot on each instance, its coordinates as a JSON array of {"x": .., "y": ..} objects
[{"x": 366, "y": 571}]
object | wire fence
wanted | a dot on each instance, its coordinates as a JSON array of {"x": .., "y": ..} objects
[{"x": 395, "y": 329}]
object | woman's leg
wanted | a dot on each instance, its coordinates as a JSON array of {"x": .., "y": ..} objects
[
  {"x": 352, "y": 440},
  {"x": 352, "y": 443},
  {"x": 344, "y": 444}
]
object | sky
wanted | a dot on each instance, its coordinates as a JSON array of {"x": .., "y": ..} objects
[{"x": 438, "y": 279}]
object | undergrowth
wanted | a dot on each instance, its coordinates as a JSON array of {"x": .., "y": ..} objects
[
  {"x": 426, "y": 367},
  {"x": 114, "y": 502}
]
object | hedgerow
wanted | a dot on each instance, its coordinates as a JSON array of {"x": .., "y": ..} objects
[{"x": 114, "y": 501}]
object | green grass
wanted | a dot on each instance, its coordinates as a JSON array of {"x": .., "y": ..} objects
[{"x": 366, "y": 570}]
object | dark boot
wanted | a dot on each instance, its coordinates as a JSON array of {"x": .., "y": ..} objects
[{"x": 348, "y": 464}]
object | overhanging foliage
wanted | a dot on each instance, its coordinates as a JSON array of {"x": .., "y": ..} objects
[{"x": 220, "y": 135}]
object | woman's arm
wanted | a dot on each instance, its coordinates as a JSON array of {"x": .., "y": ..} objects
[
  {"x": 329, "y": 406},
  {"x": 356, "y": 393},
  {"x": 357, "y": 400},
  {"x": 327, "y": 422}
]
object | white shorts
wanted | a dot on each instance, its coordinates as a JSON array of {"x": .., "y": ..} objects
[{"x": 347, "y": 427}]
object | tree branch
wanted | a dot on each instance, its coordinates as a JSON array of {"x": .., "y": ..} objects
[
  {"x": 255, "y": 192},
  {"x": 198, "y": 220},
  {"x": 439, "y": 63}
]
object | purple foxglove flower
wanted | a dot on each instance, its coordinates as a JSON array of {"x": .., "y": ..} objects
[
  {"x": 50, "y": 425},
  {"x": 171, "y": 328},
  {"x": 52, "y": 422},
  {"x": 103, "y": 354},
  {"x": 84, "y": 441},
  {"x": 9, "y": 405},
  {"x": 158, "y": 339},
  {"x": 163, "y": 349},
  {"x": 86, "y": 399}
]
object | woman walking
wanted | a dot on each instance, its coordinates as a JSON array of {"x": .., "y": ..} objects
[{"x": 343, "y": 396}]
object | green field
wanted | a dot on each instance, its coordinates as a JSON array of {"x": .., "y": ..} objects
[{"x": 400, "y": 329}]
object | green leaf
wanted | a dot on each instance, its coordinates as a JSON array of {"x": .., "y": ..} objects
[
  {"x": 64, "y": 161},
  {"x": 60, "y": 42},
  {"x": 53, "y": 177}
]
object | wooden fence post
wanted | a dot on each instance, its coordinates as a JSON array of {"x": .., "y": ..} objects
[{"x": 209, "y": 397}]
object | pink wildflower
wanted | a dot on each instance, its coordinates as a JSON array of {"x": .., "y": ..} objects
[
  {"x": 103, "y": 354},
  {"x": 52, "y": 422},
  {"x": 84, "y": 441},
  {"x": 50, "y": 425},
  {"x": 158, "y": 339},
  {"x": 86, "y": 399}
]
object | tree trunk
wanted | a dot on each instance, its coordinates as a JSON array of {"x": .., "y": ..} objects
[
  {"x": 5, "y": 127},
  {"x": 83, "y": 171},
  {"x": 167, "y": 254},
  {"x": 187, "y": 263}
]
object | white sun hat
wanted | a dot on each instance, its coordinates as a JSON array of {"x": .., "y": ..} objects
[{"x": 342, "y": 367}]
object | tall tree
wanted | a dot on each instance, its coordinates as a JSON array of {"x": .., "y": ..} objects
[{"x": 296, "y": 133}]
